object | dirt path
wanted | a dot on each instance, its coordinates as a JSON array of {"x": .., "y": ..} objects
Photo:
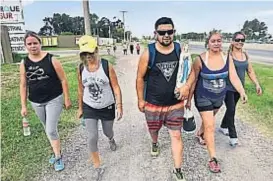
[{"x": 251, "y": 160}]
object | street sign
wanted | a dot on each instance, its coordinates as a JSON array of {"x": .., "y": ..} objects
[{"x": 11, "y": 15}]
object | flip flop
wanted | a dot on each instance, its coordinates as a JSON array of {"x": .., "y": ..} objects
[{"x": 201, "y": 139}]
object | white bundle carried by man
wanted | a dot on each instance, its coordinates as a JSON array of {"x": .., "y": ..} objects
[{"x": 184, "y": 69}]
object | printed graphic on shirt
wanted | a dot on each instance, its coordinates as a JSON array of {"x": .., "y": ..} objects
[
  {"x": 94, "y": 89},
  {"x": 36, "y": 73},
  {"x": 167, "y": 69},
  {"x": 215, "y": 86}
]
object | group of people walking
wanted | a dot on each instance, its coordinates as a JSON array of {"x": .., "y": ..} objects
[
  {"x": 125, "y": 47},
  {"x": 215, "y": 77}
]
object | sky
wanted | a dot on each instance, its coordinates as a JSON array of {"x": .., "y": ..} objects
[{"x": 188, "y": 16}]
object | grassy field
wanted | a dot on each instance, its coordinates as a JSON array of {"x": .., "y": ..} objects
[
  {"x": 23, "y": 157},
  {"x": 259, "y": 109}
]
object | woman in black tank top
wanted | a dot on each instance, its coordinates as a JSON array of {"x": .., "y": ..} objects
[{"x": 43, "y": 79}]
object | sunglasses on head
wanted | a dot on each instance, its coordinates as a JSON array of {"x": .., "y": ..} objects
[
  {"x": 238, "y": 40},
  {"x": 162, "y": 33}
]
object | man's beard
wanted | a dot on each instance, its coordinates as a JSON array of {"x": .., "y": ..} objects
[{"x": 165, "y": 44}]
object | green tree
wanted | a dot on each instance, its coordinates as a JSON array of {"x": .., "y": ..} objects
[{"x": 255, "y": 29}]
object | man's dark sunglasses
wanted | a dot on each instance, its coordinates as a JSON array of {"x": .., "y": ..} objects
[
  {"x": 238, "y": 40},
  {"x": 162, "y": 33}
]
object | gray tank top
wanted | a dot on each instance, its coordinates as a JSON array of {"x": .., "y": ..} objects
[
  {"x": 241, "y": 67},
  {"x": 97, "y": 91}
]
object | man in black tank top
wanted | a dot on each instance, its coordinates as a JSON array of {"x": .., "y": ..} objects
[{"x": 160, "y": 105}]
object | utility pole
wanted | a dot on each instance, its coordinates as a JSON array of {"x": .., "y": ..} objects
[
  {"x": 123, "y": 19},
  {"x": 86, "y": 14}
]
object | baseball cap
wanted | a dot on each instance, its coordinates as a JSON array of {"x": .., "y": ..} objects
[{"x": 87, "y": 44}]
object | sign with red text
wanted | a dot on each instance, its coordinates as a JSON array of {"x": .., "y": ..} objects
[{"x": 11, "y": 15}]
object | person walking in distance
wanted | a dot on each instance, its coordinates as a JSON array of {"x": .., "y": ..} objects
[
  {"x": 212, "y": 69},
  {"x": 43, "y": 79},
  {"x": 132, "y": 48},
  {"x": 99, "y": 95},
  {"x": 124, "y": 48},
  {"x": 156, "y": 97},
  {"x": 242, "y": 65},
  {"x": 138, "y": 48}
]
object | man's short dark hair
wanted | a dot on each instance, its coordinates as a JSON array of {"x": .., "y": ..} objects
[{"x": 163, "y": 21}]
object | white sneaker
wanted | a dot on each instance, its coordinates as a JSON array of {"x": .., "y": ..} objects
[
  {"x": 224, "y": 131},
  {"x": 233, "y": 142},
  {"x": 99, "y": 173}
]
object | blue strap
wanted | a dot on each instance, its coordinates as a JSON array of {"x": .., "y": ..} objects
[
  {"x": 151, "y": 48},
  {"x": 177, "y": 48}
]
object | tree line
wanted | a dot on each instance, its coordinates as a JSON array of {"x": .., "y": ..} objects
[
  {"x": 64, "y": 24},
  {"x": 254, "y": 31}
]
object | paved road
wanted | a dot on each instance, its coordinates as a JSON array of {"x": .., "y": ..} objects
[
  {"x": 263, "y": 56},
  {"x": 251, "y": 160}
]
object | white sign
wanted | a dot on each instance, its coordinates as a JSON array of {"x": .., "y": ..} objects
[
  {"x": 16, "y": 39},
  {"x": 11, "y": 15},
  {"x": 16, "y": 28},
  {"x": 11, "y": 12},
  {"x": 20, "y": 48},
  {"x": 77, "y": 40}
]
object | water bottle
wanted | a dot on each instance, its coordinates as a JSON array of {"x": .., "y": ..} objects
[
  {"x": 83, "y": 122},
  {"x": 26, "y": 127}
]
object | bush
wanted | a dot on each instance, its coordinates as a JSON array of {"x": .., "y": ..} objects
[{"x": 17, "y": 57}]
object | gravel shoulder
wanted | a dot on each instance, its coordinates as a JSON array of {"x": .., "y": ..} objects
[{"x": 251, "y": 160}]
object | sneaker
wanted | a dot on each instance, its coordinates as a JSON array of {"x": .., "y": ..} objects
[
  {"x": 178, "y": 176},
  {"x": 59, "y": 164},
  {"x": 113, "y": 145},
  {"x": 214, "y": 166},
  {"x": 99, "y": 173},
  {"x": 155, "y": 150},
  {"x": 52, "y": 159},
  {"x": 233, "y": 142},
  {"x": 224, "y": 131}
]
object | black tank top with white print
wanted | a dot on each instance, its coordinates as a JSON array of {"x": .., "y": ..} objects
[
  {"x": 162, "y": 80},
  {"x": 42, "y": 80}
]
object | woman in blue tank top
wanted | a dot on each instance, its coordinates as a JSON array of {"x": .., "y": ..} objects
[
  {"x": 242, "y": 65},
  {"x": 212, "y": 70}
]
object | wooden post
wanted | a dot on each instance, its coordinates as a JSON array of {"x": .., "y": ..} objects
[{"x": 5, "y": 45}]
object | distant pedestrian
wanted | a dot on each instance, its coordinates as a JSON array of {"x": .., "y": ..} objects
[
  {"x": 138, "y": 48},
  {"x": 132, "y": 48},
  {"x": 124, "y": 48}
]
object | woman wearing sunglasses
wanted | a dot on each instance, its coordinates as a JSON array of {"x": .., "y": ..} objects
[
  {"x": 242, "y": 65},
  {"x": 212, "y": 70}
]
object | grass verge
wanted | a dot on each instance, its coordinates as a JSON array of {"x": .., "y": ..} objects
[
  {"x": 23, "y": 157},
  {"x": 57, "y": 48},
  {"x": 259, "y": 109}
]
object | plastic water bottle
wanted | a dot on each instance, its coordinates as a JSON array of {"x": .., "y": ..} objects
[
  {"x": 26, "y": 127},
  {"x": 83, "y": 122}
]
